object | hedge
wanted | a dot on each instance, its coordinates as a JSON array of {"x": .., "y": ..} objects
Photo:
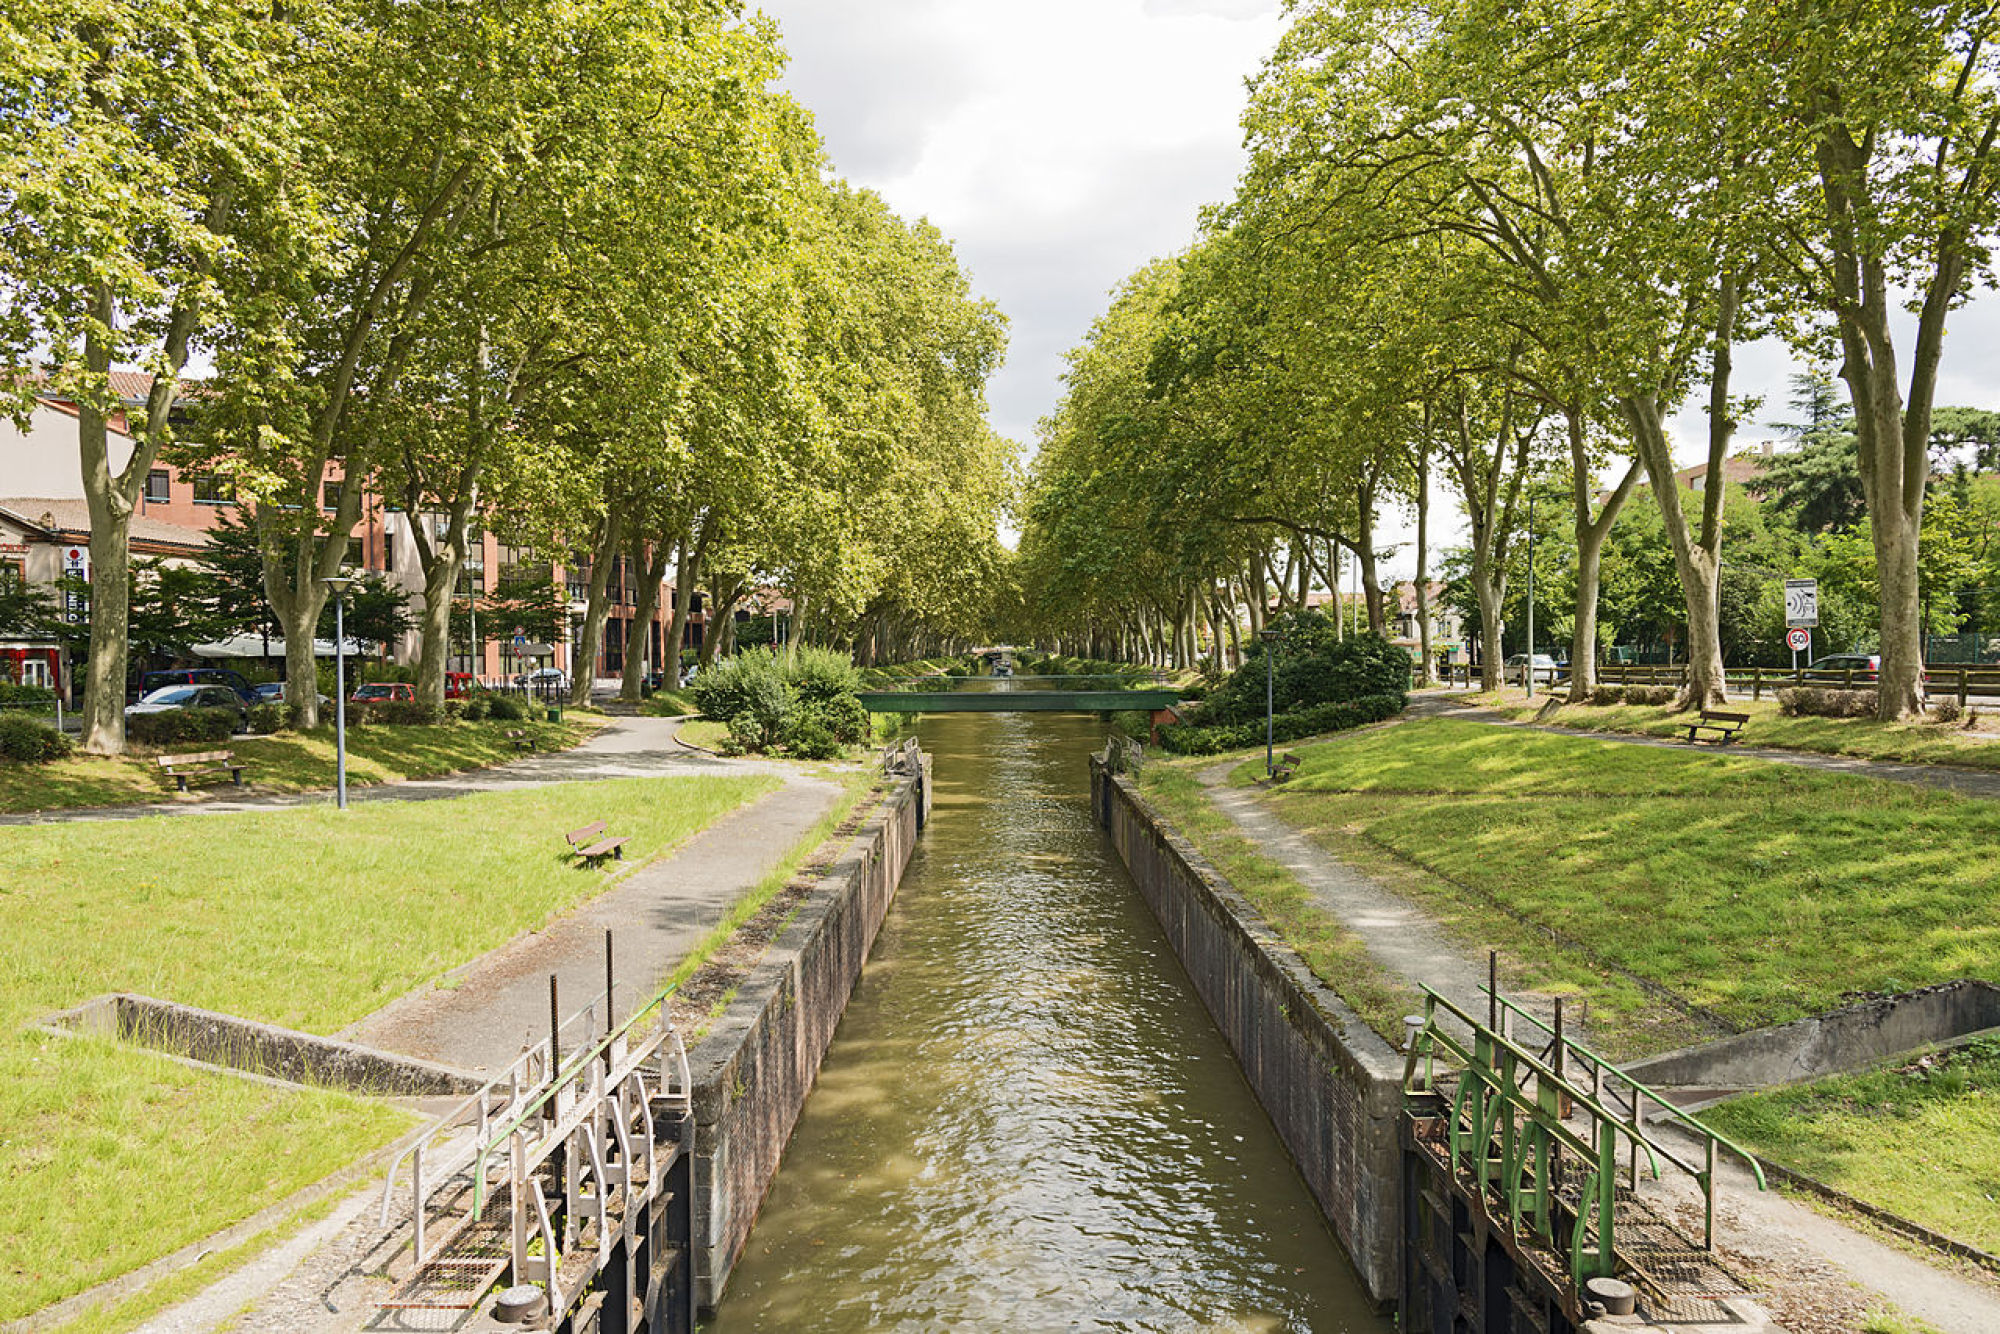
[
  {"x": 174, "y": 726},
  {"x": 1189, "y": 739}
]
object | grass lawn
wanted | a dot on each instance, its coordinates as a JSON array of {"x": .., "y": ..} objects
[
  {"x": 1921, "y": 1139},
  {"x": 287, "y": 762},
  {"x": 1864, "y": 738},
  {"x": 1758, "y": 892},
  {"x": 310, "y": 918},
  {"x": 1335, "y": 954},
  {"x": 669, "y": 704}
]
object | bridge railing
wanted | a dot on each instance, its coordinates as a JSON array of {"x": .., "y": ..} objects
[{"x": 1510, "y": 1127}]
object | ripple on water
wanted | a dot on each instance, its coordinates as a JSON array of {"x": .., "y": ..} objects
[{"x": 1027, "y": 1121}]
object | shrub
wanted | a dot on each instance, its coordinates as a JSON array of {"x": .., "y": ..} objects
[
  {"x": 32, "y": 742},
  {"x": 1821, "y": 702},
  {"x": 843, "y": 716},
  {"x": 1946, "y": 710},
  {"x": 743, "y": 735},
  {"x": 407, "y": 713},
  {"x": 1312, "y": 668},
  {"x": 177, "y": 726},
  {"x": 18, "y": 694},
  {"x": 725, "y": 690},
  {"x": 1339, "y": 715},
  {"x": 268, "y": 718},
  {"x": 474, "y": 707},
  {"x": 507, "y": 709},
  {"x": 808, "y": 738},
  {"x": 1603, "y": 696},
  {"x": 820, "y": 675},
  {"x": 1653, "y": 695}
]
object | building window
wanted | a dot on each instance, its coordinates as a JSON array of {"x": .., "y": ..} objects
[
  {"x": 329, "y": 496},
  {"x": 156, "y": 487},
  {"x": 13, "y": 574},
  {"x": 356, "y": 554},
  {"x": 471, "y": 581},
  {"x": 212, "y": 490}
]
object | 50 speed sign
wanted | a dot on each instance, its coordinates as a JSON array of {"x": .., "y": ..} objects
[{"x": 1800, "y": 639}]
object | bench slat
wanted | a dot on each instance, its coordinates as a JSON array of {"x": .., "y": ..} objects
[{"x": 589, "y": 831}]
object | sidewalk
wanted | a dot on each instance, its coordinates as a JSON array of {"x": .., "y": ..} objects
[{"x": 627, "y": 747}]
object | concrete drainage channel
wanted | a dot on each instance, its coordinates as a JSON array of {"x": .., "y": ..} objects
[
  {"x": 254, "y": 1050},
  {"x": 1836, "y": 1043}
]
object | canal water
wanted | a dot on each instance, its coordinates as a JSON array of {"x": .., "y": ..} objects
[{"x": 1027, "y": 1120}]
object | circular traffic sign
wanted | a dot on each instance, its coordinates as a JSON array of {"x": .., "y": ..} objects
[{"x": 1800, "y": 640}]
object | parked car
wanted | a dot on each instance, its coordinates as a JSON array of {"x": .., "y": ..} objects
[
  {"x": 1864, "y": 665},
  {"x": 457, "y": 685},
  {"x": 1515, "y": 669},
  {"x": 168, "y": 698},
  {"x": 273, "y": 692},
  {"x": 544, "y": 680},
  {"x": 199, "y": 676},
  {"x": 382, "y": 691}
]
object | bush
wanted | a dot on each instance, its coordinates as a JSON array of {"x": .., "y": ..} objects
[
  {"x": 23, "y": 738},
  {"x": 1651, "y": 695},
  {"x": 268, "y": 718},
  {"x": 1946, "y": 710},
  {"x": 1312, "y": 668},
  {"x": 843, "y": 716},
  {"x": 1337, "y": 716},
  {"x": 744, "y": 735},
  {"x": 474, "y": 707},
  {"x": 821, "y": 675},
  {"x": 178, "y": 726},
  {"x": 18, "y": 694},
  {"x": 725, "y": 690},
  {"x": 807, "y": 738},
  {"x": 407, "y": 713},
  {"x": 1821, "y": 702},
  {"x": 507, "y": 709}
]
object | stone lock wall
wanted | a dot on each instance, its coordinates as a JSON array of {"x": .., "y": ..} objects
[
  {"x": 1331, "y": 1086},
  {"x": 757, "y": 1065}
]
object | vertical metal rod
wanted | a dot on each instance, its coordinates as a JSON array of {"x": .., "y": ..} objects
[
  {"x": 340, "y": 697},
  {"x": 610, "y": 1016},
  {"x": 1493, "y": 990},
  {"x": 555, "y": 1030}
]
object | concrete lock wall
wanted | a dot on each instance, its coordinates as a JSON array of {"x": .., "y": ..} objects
[
  {"x": 754, "y": 1070},
  {"x": 1331, "y": 1086}
]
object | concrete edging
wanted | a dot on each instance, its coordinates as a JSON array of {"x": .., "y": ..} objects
[
  {"x": 758, "y": 1064},
  {"x": 1331, "y": 1086}
]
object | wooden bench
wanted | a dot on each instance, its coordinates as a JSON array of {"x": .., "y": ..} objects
[
  {"x": 1724, "y": 725},
  {"x": 520, "y": 739},
  {"x": 1288, "y": 764},
  {"x": 207, "y": 764},
  {"x": 585, "y": 850}
]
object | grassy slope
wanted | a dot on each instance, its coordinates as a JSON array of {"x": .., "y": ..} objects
[
  {"x": 1334, "y": 953},
  {"x": 308, "y": 918},
  {"x": 1918, "y": 1139},
  {"x": 1757, "y": 891},
  {"x": 1863, "y": 738},
  {"x": 288, "y": 762}
]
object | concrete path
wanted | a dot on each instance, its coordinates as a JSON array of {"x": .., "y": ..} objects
[
  {"x": 630, "y": 747},
  {"x": 479, "y": 1017},
  {"x": 1401, "y": 938},
  {"x": 1944, "y": 777}
]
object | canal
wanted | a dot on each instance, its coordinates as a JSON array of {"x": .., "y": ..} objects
[{"x": 1026, "y": 1120}]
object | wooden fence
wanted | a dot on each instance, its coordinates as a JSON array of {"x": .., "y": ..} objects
[{"x": 1941, "y": 680}]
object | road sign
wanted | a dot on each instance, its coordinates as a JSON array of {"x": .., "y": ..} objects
[
  {"x": 1802, "y": 602},
  {"x": 1799, "y": 638},
  {"x": 76, "y": 565}
]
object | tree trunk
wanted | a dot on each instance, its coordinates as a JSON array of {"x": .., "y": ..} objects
[
  {"x": 1423, "y": 587},
  {"x": 652, "y": 568},
  {"x": 1489, "y": 582},
  {"x": 1697, "y": 561},
  {"x": 1591, "y": 533},
  {"x": 596, "y": 609},
  {"x": 687, "y": 570}
]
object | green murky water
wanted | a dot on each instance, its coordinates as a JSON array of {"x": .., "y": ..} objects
[{"x": 1027, "y": 1121}]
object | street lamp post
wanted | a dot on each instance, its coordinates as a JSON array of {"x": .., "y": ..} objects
[
  {"x": 1531, "y": 595},
  {"x": 1270, "y": 638},
  {"x": 338, "y": 584}
]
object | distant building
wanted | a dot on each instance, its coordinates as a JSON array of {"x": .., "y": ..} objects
[{"x": 1447, "y": 626}]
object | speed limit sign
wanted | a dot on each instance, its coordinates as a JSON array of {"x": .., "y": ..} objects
[{"x": 1800, "y": 640}]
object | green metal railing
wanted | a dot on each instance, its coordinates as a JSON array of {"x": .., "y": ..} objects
[{"x": 1516, "y": 1113}]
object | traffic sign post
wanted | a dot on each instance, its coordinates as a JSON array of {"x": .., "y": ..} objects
[{"x": 1801, "y": 616}]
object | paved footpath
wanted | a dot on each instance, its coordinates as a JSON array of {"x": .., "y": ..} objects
[
  {"x": 1775, "y": 1233},
  {"x": 1944, "y": 777}
]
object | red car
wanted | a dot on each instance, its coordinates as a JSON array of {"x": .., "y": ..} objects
[
  {"x": 388, "y": 690},
  {"x": 457, "y": 685}
]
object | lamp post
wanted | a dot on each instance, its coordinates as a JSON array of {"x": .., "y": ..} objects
[
  {"x": 338, "y": 584},
  {"x": 1531, "y": 595},
  {"x": 1270, "y": 638}
]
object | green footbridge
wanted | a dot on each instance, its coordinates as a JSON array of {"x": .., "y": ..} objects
[{"x": 1020, "y": 694}]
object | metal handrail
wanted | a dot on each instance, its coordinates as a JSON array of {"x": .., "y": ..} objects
[{"x": 1598, "y": 1064}]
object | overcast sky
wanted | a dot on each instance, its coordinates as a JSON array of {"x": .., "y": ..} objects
[{"x": 1061, "y": 144}]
